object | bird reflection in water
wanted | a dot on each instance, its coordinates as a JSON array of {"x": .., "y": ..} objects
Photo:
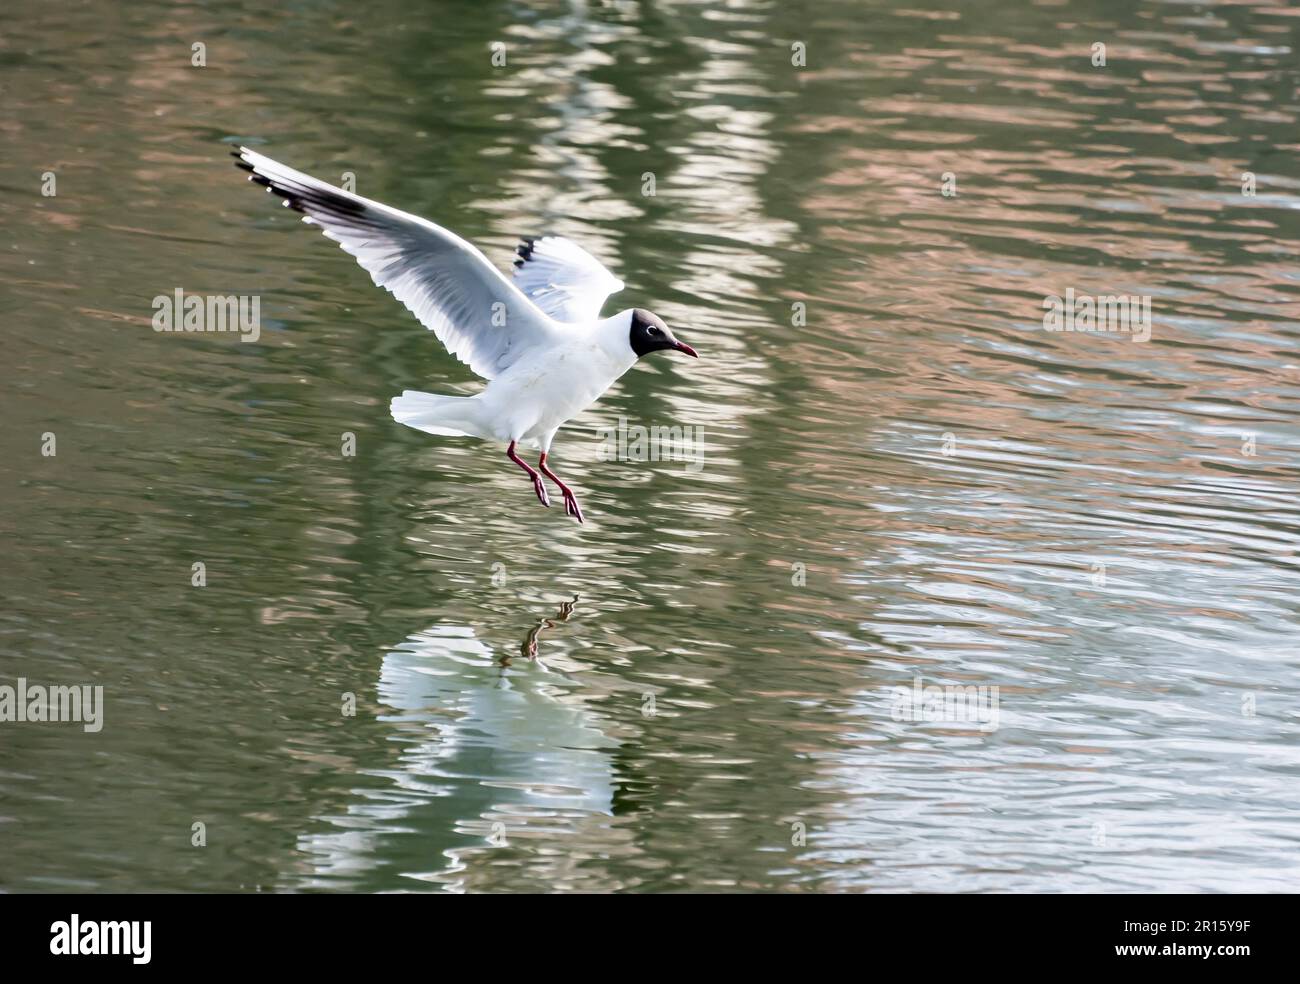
[
  {"x": 479, "y": 744},
  {"x": 528, "y": 648}
]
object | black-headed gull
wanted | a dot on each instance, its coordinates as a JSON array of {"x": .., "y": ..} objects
[{"x": 539, "y": 341}]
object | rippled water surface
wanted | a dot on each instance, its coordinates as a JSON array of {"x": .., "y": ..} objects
[{"x": 907, "y": 481}]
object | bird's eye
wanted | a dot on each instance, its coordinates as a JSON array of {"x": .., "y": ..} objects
[{"x": 652, "y": 330}]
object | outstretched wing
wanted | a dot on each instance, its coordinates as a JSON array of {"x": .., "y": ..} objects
[
  {"x": 563, "y": 279},
  {"x": 476, "y": 312}
]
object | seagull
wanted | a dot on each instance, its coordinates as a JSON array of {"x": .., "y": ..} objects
[{"x": 538, "y": 340}]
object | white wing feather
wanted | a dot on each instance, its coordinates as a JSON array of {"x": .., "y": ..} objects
[
  {"x": 477, "y": 313},
  {"x": 563, "y": 279}
]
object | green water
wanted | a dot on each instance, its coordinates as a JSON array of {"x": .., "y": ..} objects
[{"x": 905, "y": 477}]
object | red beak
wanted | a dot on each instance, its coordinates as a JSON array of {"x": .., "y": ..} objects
[{"x": 683, "y": 347}]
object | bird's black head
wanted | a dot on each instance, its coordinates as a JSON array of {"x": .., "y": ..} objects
[{"x": 650, "y": 334}]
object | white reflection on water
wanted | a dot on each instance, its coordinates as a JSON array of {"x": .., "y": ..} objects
[{"x": 491, "y": 743}]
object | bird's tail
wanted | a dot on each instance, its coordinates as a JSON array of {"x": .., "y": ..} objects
[{"x": 449, "y": 416}]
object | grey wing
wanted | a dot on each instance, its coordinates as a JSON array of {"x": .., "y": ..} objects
[
  {"x": 563, "y": 279},
  {"x": 477, "y": 313}
]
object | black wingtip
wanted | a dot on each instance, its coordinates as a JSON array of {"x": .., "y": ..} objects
[
  {"x": 306, "y": 198},
  {"x": 524, "y": 251}
]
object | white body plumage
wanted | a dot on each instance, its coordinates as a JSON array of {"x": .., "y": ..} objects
[{"x": 531, "y": 399}]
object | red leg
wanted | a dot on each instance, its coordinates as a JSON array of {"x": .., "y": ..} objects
[
  {"x": 570, "y": 500},
  {"x": 538, "y": 485}
]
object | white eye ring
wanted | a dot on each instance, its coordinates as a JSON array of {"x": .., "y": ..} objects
[{"x": 653, "y": 330}]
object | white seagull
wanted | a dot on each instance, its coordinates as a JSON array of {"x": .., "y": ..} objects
[{"x": 539, "y": 341}]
